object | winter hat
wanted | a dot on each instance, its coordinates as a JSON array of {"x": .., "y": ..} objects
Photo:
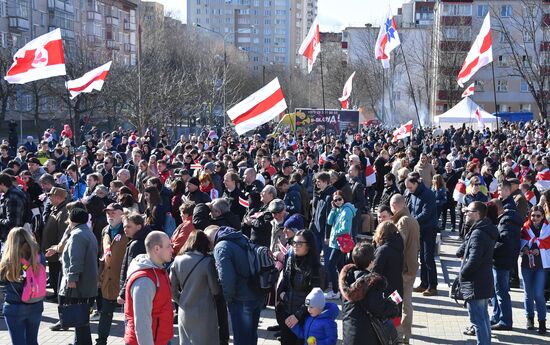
[
  {"x": 316, "y": 299},
  {"x": 194, "y": 181},
  {"x": 295, "y": 222}
]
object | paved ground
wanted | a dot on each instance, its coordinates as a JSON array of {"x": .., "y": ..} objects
[{"x": 437, "y": 320}]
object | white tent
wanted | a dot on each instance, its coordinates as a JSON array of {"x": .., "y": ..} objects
[{"x": 465, "y": 112}]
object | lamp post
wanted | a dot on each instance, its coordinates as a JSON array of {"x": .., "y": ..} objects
[{"x": 224, "y": 38}]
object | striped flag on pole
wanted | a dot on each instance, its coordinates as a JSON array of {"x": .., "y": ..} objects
[{"x": 93, "y": 80}]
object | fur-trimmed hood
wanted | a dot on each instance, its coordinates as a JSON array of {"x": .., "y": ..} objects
[{"x": 355, "y": 283}]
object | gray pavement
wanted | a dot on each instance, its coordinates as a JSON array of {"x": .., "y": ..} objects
[{"x": 437, "y": 320}]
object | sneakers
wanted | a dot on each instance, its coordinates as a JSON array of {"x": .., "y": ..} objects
[
  {"x": 429, "y": 292},
  {"x": 332, "y": 295},
  {"x": 95, "y": 316}
]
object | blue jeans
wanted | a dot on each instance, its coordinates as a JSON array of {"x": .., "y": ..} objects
[
  {"x": 502, "y": 304},
  {"x": 244, "y": 321},
  {"x": 428, "y": 270},
  {"x": 23, "y": 321},
  {"x": 334, "y": 262},
  {"x": 534, "y": 281},
  {"x": 479, "y": 317}
]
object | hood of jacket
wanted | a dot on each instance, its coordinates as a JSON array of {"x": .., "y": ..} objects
[
  {"x": 141, "y": 234},
  {"x": 356, "y": 283},
  {"x": 141, "y": 262},
  {"x": 420, "y": 189},
  {"x": 350, "y": 207},
  {"x": 330, "y": 312},
  {"x": 487, "y": 227},
  {"x": 228, "y": 233}
]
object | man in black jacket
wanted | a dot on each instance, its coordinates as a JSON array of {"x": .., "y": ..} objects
[
  {"x": 321, "y": 208},
  {"x": 358, "y": 196},
  {"x": 136, "y": 230},
  {"x": 476, "y": 279},
  {"x": 505, "y": 258}
]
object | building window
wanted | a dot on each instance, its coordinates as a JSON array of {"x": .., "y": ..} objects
[
  {"x": 525, "y": 108},
  {"x": 3, "y": 8},
  {"x": 457, "y": 9},
  {"x": 479, "y": 85},
  {"x": 503, "y": 108},
  {"x": 267, "y": 40},
  {"x": 524, "y": 87},
  {"x": 502, "y": 85},
  {"x": 198, "y": 11},
  {"x": 506, "y": 11},
  {"x": 267, "y": 12},
  {"x": 3, "y": 39},
  {"x": 525, "y": 60},
  {"x": 502, "y": 61},
  {"x": 482, "y": 10}
]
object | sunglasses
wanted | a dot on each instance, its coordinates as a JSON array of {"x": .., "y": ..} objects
[
  {"x": 477, "y": 184},
  {"x": 298, "y": 243},
  {"x": 338, "y": 199}
]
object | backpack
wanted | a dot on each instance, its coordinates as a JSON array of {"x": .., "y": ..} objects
[
  {"x": 169, "y": 224},
  {"x": 262, "y": 266},
  {"x": 34, "y": 287}
]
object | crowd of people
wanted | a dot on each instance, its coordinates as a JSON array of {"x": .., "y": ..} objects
[{"x": 174, "y": 231}]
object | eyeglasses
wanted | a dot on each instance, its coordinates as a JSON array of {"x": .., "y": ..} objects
[
  {"x": 298, "y": 243},
  {"x": 337, "y": 199},
  {"x": 470, "y": 211},
  {"x": 477, "y": 184}
]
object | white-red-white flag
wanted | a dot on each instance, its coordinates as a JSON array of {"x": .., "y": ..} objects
[
  {"x": 41, "y": 58},
  {"x": 92, "y": 80},
  {"x": 243, "y": 202},
  {"x": 396, "y": 297},
  {"x": 370, "y": 174},
  {"x": 262, "y": 106},
  {"x": 403, "y": 131},
  {"x": 346, "y": 93},
  {"x": 479, "y": 55},
  {"x": 543, "y": 180},
  {"x": 479, "y": 118},
  {"x": 469, "y": 91},
  {"x": 311, "y": 46},
  {"x": 388, "y": 40}
]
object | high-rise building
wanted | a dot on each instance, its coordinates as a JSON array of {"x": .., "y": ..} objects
[{"x": 269, "y": 31}]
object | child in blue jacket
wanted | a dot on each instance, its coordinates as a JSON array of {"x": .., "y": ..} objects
[{"x": 320, "y": 326}]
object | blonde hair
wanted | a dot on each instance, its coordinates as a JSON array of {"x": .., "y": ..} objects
[
  {"x": 19, "y": 244},
  {"x": 383, "y": 232}
]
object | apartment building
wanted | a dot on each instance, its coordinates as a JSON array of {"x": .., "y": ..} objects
[
  {"x": 456, "y": 25},
  {"x": 269, "y": 31}
]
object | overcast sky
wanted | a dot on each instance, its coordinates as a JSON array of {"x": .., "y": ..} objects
[{"x": 334, "y": 15}]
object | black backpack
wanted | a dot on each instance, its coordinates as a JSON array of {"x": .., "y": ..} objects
[{"x": 262, "y": 266}]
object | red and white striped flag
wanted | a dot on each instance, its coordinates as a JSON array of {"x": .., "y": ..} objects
[
  {"x": 311, "y": 46},
  {"x": 479, "y": 118},
  {"x": 262, "y": 106},
  {"x": 479, "y": 55},
  {"x": 403, "y": 131},
  {"x": 92, "y": 80},
  {"x": 542, "y": 242},
  {"x": 469, "y": 91},
  {"x": 243, "y": 202},
  {"x": 531, "y": 197},
  {"x": 543, "y": 180},
  {"x": 370, "y": 174},
  {"x": 196, "y": 166},
  {"x": 460, "y": 192},
  {"x": 396, "y": 297},
  {"x": 346, "y": 93},
  {"x": 41, "y": 58}
]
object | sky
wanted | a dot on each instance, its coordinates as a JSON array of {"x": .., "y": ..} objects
[{"x": 334, "y": 15}]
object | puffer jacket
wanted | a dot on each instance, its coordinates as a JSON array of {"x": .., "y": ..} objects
[
  {"x": 293, "y": 199},
  {"x": 476, "y": 276},
  {"x": 362, "y": 292},
  {"x": 507, "y": 247},
  {"x": 341, "y": 220},
  {"x": 322, "y": 327},
  {"x": 386, "y": 258}
]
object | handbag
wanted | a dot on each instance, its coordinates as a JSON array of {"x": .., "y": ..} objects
[
  {"x": 74, "y": 312},
  {"x": 346, "y": 243},
  {"x": 384, "y": 329},
  {"x": 454, "y": 291}
]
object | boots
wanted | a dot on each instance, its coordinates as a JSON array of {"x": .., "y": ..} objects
[
  {"x": 530, "y": 323},
  {"x": 542, "y": 327}
]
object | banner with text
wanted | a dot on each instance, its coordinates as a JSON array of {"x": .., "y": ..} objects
[{"x": 334, "y": 120}]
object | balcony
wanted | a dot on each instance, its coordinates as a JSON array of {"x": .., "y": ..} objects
[
  {"x": 94, "y": 16},
  {"x": 94, "y": 40},
  {"x": 17, "y": 23},
  {"x": 111, "y": 20},
  {"x": 60, "y": 5},
  {"x": 129, "y": 26},
  {"x": 546, "y": 19},
  {"x": 111, "y": 44},
  {"x": 456, "y": 21}
]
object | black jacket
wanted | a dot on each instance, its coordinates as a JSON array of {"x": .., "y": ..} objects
[
  {"x": 322, "y": 206},
  {"x": 261, "y": 227},
  {"x": 227, "y": 219},
  {"x": 363, "y": 292},
  {"x": 387, "y": 194},
  {"x": 134, "y": 247},
  {"x": 387, "y": 259},
  {"x": 508, "y": 243},
  {"x": 359, "y": 201},
  {"x": 234, "y": 205},
  {"x": 476, "y": 276}
]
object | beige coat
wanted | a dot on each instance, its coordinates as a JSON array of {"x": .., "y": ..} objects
[
  {"x": 426, "y": 172},
  {"x": 110, "y": 266},
  {"x": 409, "y": 229}
]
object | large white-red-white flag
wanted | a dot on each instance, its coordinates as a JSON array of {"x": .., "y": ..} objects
[
  {"x": 388, "y": 40},
  {"x": 479, "y": 55},
  {"x": 311, "y": 46},
  {"x": 92, "y": 80},
  {"x": 469, "y": 91},
  {"x": 41, "y": 58},
  {"x": 346, "y": 93},
  {"x": 262, "y": 106},
  {"x": 479, "y": 118},
  {"x": 403, "y": 131}
]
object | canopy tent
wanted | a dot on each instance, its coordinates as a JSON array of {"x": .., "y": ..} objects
[
  {"x": 465, "y": 112},
  {"x": 516, "y": 117}
]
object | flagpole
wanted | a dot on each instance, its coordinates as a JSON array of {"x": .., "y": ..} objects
[
  {"x": 496, "y": 115},
  {"x": 410, "y": 83},
  {"x": 69, "y": 103},
  {"x": 383, "y": 94},
  {"x": 323, "y": 92}
]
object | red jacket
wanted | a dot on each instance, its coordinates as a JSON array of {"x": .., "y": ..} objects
[{"x": 162, "y": 313}]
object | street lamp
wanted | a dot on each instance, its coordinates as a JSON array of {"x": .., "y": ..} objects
[{"x": 224, "y": 37}]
